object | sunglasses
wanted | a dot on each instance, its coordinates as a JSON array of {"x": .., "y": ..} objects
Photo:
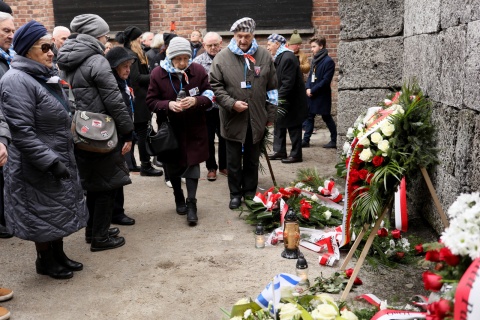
[{"x": 46, "y": 47}]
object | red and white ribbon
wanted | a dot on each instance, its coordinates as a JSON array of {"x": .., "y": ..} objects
[
  {"x": 467, "y": 293},
  {"x": 398, "y": 315},
  {"x": 401, "y": 214},
  {"x": 320, "y": 241},
  {"x": 329, "y": 190},
  {"x": 370, "y": 298}
]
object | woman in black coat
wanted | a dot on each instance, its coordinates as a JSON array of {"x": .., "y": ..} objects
[
  {"x": 292, "y": 99},
  {"x": 139, "y": 80}
]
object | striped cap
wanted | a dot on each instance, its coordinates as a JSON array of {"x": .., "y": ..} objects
[
  {"x": 243, "y": 25},
  {"x": 276, "y": 38}
]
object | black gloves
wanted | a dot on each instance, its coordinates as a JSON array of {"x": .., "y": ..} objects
[{"x": 59, "y": 170}]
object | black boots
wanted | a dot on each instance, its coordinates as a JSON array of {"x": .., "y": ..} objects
[
  {"x": 100, "y": 244},
  {"x": 180, "y": 202},
  {"x": 60, "y": 256},
  {"x": 47, "y": 265},
  {"x": 147, "y": 170},
  {"x": 192, "y": 211},
  {"x": 112, "y": 232}
]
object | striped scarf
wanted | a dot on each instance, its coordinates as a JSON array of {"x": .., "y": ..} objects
[
  {"x": 167, "y": 65},
  {"x": 247, "y": 55},
  {"x": 8, "y": 56}
]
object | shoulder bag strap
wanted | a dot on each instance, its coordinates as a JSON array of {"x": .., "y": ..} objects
[{"x": 62, "y": 101}]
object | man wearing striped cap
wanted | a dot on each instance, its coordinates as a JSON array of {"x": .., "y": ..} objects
[{"x": 244, "y": 81}]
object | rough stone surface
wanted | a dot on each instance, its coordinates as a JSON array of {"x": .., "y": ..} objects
[
  {"x": 472, "y": 67},
  {"x": 453, "y": 13},
  {"x": 474, "y": 169},
  {"x": 445, "y": 120},
  {"x": 370, "y": 18},
  {"x": 463, "y": 148},
  {"x": 421, "y": 16},
  {"x": 351, "y": 103},
  {"x": 452, "y": 77},
  {"x": 474, "y": 8},
  {"x": 376, "y": 63},
  {"x": 424, "y": 65}
]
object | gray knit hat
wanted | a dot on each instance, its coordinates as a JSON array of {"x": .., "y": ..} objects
[
  {"x": 243, "y": 25},
  {"x": 178, "y": 46},
  {"x": 90, "y": 24}
]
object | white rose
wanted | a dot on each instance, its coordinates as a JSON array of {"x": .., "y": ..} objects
[
  {"x": 387, "y": 128},
  {"x": 346, "y": 147},
  {"x": 360, "y": 134},
  {"x": 348, "y": 315},
  {"x": 366, "y": 155},
  {"x": 350, "y": 133},
  {"x": 360, "y": 126},
  {"x": 376, "y": 137},
  {"x": 247, "y": 313},
  {"x": 324, "y": 312},
  {"x": 314, "y": 197},
  {"x": 327, "y": 214},
  {"x": 384, "y": 145},
  {"x": 289, "y": 312},
  {"x": 365, "y": 142}
]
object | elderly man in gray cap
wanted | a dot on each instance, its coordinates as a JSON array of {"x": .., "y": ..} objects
[{"x": 245, "y": 85}]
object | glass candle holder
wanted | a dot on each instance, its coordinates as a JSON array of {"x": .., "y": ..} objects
[{"x": 259, "y": 237}]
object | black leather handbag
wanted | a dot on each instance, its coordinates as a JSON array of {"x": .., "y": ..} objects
[{"x": 162, "y": 141}]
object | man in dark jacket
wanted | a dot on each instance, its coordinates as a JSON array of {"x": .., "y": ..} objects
[
  {"x": 243, "y": 79},
  {"x": 292, "y": 109},
  {"x": 319, "y": 92}
]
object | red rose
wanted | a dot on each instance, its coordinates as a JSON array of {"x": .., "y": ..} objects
[
  {"x": 419, "y": 248},
  {"x": 357, "y": 281},
  {"x": 354, "y": 176},
  {"x": 396, "y": 234},
  {"x": 400, "y": 255},
  {"x": 356, "y": 158},
  {"x": 443, "y": 307},
  {"x": 377, "y": 161},
  {"x": 432, "y": 255},
  {"x": 432, "y": 281},
  {"x": 382, "y": 232},
  {"x": 363, "y": 174},
  {"x": 447, "y": 256},
  {"x": 349, "y": 272}
]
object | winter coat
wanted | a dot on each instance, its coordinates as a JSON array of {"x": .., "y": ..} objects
[
  {"x": 39, "y": 207},
  {"x": 151, "y": 57},
  {"x": 96, "y": 90},
  {"x": 226, "y": 74},
  {"x": 4, "y": 67},
  {"x": 321, "y": 100},
  {"x": 139, "y": 81},
  {"x": 189, "y": 126},
  {"x": 303, "y": 60},
  {"x": 291, "y": 91}
]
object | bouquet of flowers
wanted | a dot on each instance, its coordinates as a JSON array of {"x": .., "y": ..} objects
[{"x": 384, "y": 145}]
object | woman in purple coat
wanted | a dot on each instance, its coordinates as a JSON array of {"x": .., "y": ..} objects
[{"x": 177, "y": 77}]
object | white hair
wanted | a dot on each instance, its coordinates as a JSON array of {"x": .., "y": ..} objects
[
  {"x": 212, "y": 34},
  {"x": 5, "y": 16},
  {"x": 58, "y": 29},
  {"x": 157, "y": 41},
  {"x": 146, "y": 34}
]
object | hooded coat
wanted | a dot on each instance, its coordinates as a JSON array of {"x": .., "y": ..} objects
[
  {"x": 39, "y": 207},
  {"x": 96, "y": 90}
]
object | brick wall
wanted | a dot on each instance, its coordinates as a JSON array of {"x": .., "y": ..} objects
[{"x": 26, "y": 10}]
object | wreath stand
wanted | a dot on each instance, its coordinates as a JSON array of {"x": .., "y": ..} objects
[{"x": 373, "y": 233}]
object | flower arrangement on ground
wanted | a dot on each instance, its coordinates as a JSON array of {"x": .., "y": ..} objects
[{"x": 384, "y": 145}]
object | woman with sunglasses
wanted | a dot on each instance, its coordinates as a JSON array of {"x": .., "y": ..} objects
[{"x": 44, "y": 199}]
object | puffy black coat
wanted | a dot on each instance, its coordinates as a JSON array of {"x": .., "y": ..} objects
[
  {"x": 291, "y": 91},
  {"x": 139, "y": 81},
  {"x": 321, "y": 100},
  {"x": 37, "y": 206},
  {"x": 96, "y": 90}
]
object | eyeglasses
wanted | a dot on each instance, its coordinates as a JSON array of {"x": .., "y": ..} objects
[
  {"x": 107, "y": 36},
  {"x": 214, "y": 45},
  {"x": 45, "y": 47}
]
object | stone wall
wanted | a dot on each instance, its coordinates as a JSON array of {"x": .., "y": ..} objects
[{"x": 384, "y": 43}]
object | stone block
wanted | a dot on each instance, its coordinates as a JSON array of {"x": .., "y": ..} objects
[
  {"x": 474, "y": 9},
  {"x": 474, "y": 167},
  {"x": 421, "y": 61},
  {"x": 370, "y": 19},
  {"x": 452, "y": 76},
  {"x": 472, "y": 67},
  {"x": 453, "y": 13},
  {"x": 376, "y": 63},
  {"x": 463, "y": 147},
  {"x": 352, "y": 103},
  {"x": 421, "y": 16},
  {"x": 445, "y": 120}
]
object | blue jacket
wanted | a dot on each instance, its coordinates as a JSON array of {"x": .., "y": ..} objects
[{"x": 321, "y": 100}]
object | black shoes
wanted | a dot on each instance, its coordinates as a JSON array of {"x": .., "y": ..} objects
[
  {"x": 60, "y": 256},
  {"x": 4, "y": 234},
  {"x": 148, "y": 171},
  {"x": 108, "y": 243},
  {"x": 180, "y": 205},
  {"x": 47, "y": 265},
  {"x": 192, "y": 211},
  {"x": 330, "y": 145},
  {"x": 123, "y": 220},
  {"x": 134, "y": 169},
  {"x": 291, "y": 160},
  {"x": 305, "y": 144},
  {"x": 112, "y": 232},
  {"x": 277, "y": 156},
  {"x": 235, "y": 203}
]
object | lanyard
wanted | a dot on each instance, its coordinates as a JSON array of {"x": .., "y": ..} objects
[{"x": 171, "y": 82}]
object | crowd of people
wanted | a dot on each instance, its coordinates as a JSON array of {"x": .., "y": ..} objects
[{"x": 53, "y": 188}]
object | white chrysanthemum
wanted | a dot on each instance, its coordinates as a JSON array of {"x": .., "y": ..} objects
[
  {"x": 384, "y": 145},
  {"x": 365, "y": 142},
  {"x": 397, "y": 109},
  {"x": 376, "y": 137},
  {"x": 324, "y": 312},
  {"x": 309, "y": 189},
  {"x": 350, "y": 133},
  {"x": 366, "y": 155},
  {"x": 299, "y": 185},
  {"x": 392, "y": 244},
  {"x": 289, "y": 312},
  {"x": 387, "y": 128}
]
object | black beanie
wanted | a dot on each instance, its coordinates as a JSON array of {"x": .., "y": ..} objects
[
  {"x": 117, "y": 55},
  {"x": 167, "y": 37},
  {"x": 5, "y": 7}
]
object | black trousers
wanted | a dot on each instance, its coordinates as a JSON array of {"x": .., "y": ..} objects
[
  {"x": 310, "y": 121},
  {"x": 243, "y": 171},
  {"x": 100, "y": 207},
  {"x": 280, "y": 140},
  {"x": 141, "y": 131},
  {"x": 118, "y": 209},
  {"x": 213, "y": 128}
]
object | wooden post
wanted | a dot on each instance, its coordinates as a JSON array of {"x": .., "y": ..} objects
[
  {"x": 354, "y": 247},
  {"x": 270, "y": 168},
  {"x": 443, "y": 216},
  {"x": 367, "y": 246}
]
